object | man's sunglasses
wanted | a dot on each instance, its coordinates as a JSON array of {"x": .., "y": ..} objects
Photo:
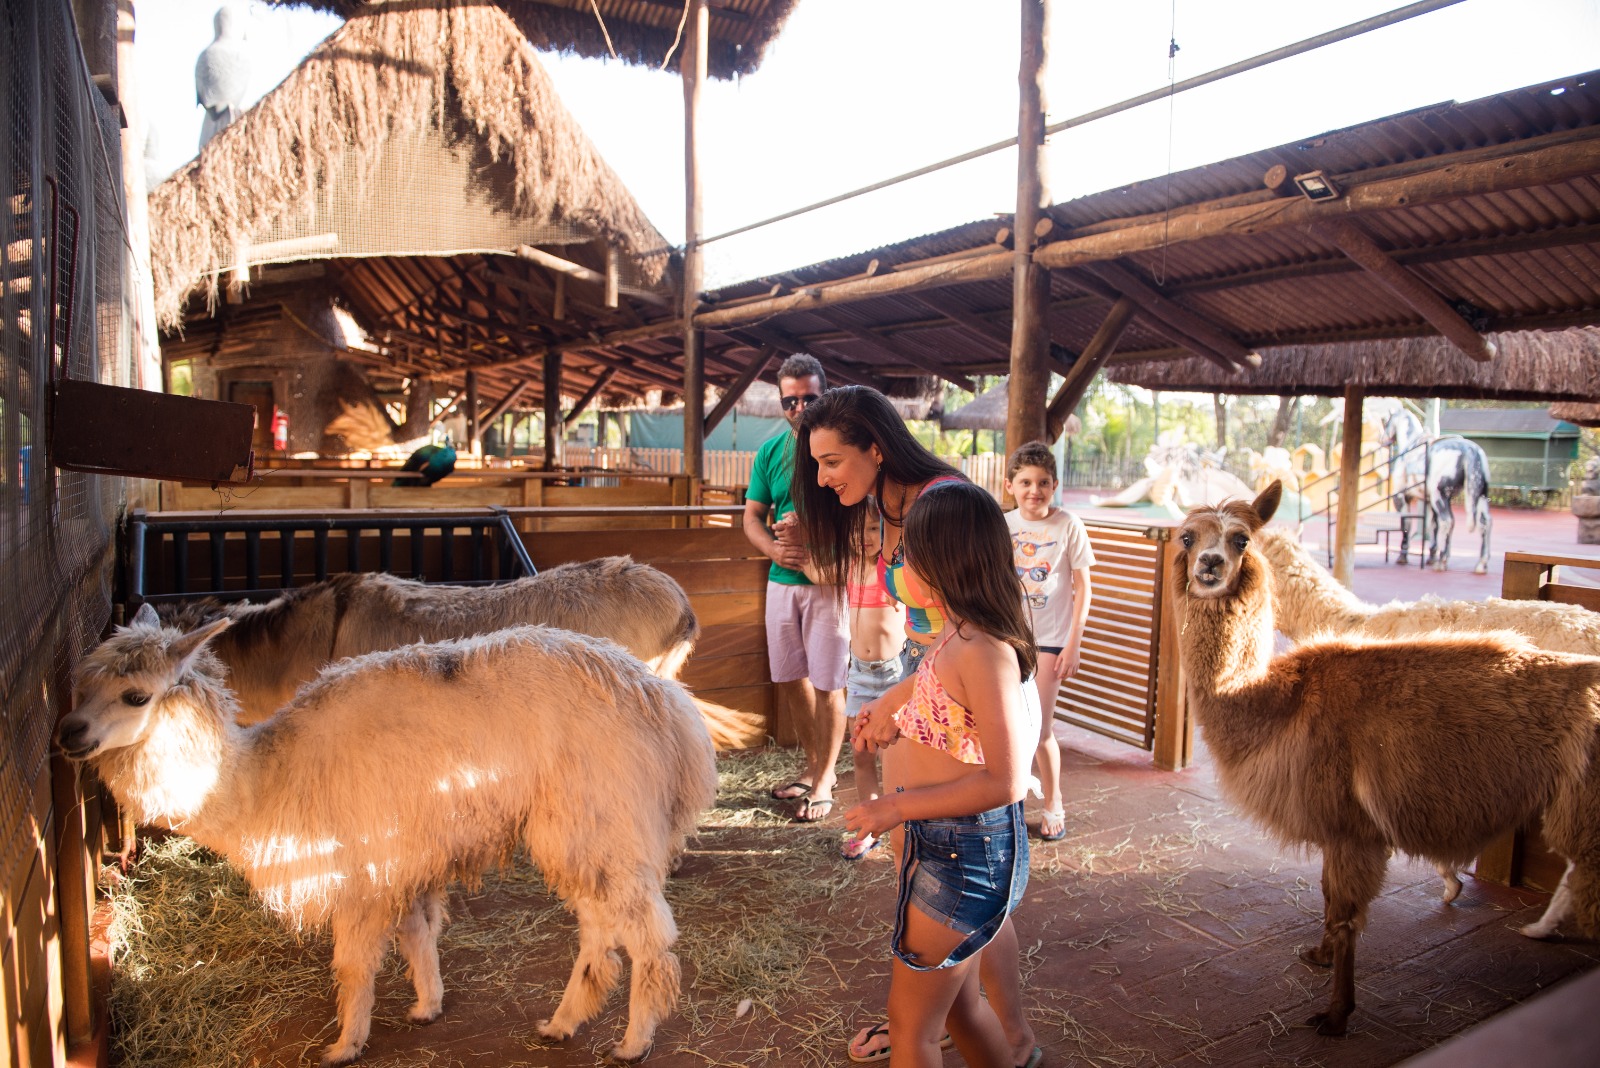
[{"x": 791, "y": 403}]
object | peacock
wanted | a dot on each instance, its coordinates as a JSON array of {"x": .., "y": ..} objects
[{"x": 434, "y": 461}]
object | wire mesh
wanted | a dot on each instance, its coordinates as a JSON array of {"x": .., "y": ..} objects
[{"x": 63, "y": 311}]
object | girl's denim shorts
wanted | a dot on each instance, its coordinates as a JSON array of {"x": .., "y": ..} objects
[{"x": 967, "y": 872}]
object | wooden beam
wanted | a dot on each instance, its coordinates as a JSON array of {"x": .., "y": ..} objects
[
  {"x": 692, "y": 67},
  {"x": 1557, "y": 163},
  {"x": 504, "y": 404},
  {"x": 555, "y": 438},
  {"x": 1344, "y": 560},
  {"x": 1410, "y": 290},
  {"x": 588, "y": 397},
  {"x": 1208, "y": 339},
  {"x": 751, "y": 372},
  {"x": 1094, "y": 357},
  {"x": 1027, "y": 393},
  {"x": 900, "y": 351},
  {"x": 450, "y": 401},
  {"x": 789, "y": 346},
  {"x": 588, "y": 274},
  {"x": 474, "y": 427}
]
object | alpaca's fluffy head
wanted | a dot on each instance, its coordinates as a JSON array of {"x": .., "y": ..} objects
[
  {"x": 120, "y": 688},
  {"x": 1213, "y": 542}
]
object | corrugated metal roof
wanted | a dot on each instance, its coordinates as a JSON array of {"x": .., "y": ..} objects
[{"x": 1519, "y": 421}]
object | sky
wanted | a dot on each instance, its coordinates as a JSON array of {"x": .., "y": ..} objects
[{"x": 855, "y": 91}]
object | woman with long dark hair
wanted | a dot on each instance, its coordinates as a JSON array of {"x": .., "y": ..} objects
[{"x": 854, "y": 445}]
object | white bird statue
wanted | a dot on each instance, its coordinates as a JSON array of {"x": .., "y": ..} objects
[{"x": 222, "y": 73}]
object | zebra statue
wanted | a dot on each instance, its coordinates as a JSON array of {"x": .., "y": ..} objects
[{"x": 1452, "y": 465}]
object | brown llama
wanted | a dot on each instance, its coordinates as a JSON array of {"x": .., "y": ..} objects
[
  {"x": 1430, "y": 746},
  {"x": 1309, "y": 602},
  {"x": 275, "y": 647}
]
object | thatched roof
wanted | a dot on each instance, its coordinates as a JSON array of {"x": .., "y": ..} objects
[
  {"x": 642, "y": 32},
  {"x": 1577, "y": 412},
  {"x": 1536, "y": 365},
  {"x": 452, "y": 83},
  {"x": 987, "y": 411}
]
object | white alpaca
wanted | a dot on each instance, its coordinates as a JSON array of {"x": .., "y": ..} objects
[
  {"x": 395, "y": 773},
  {"x": 275, "y": 647}
]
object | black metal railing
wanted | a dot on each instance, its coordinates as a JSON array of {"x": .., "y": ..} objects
[{"x": 494, "y": 551}]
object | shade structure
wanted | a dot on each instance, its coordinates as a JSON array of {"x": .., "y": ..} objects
[
  {"x": 921, "y": 402},
  {"x": 987, "y": 411},
  {"x": 1535, "y": 365},
  {"x": 413, "y": 130}
]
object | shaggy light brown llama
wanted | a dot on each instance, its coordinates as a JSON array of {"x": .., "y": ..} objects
[
  {"x": 1309, "y": 602},
  {"x": 394, "y": 773},
  {"x": 275, "y": 647},
  {"x": 1430, "y": 746}
]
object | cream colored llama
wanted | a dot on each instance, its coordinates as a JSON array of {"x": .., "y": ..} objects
[
  {"x": 275, "y": 647},
  {"x": 394, "y": 773},
  {"x": 1430, "y": 746},
  {"x": 1310, "y": 601}
]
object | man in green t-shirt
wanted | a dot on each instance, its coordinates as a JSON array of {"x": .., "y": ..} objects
[{"x": 808, "y": 640}]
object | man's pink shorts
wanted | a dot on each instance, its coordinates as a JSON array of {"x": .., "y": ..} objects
[{"x": 808, "y": 635}]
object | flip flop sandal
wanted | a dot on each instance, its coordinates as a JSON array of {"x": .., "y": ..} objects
[
  {"x": 790, "y": 791},
  {"x": 808, "y": 812},
  {"x": 1055, "y": 836},
  {"x": 1035, "y": 1058},
  {"x": 853, "y": 850},
  {"x": 881, "y": 1054}
]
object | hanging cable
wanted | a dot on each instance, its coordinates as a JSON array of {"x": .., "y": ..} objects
[
  {"x": 683, "y": 20},
  {"x": 1344, "y": 33},
  {"x": 595, "y": 6},
  {"x": 1160, "y": 276}
]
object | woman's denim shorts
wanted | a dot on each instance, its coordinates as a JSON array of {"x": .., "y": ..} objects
[
  {"x": 967, "y": 872},
  {"x": 868, "y": 680}
]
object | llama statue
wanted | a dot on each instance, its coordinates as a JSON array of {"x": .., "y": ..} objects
[
  {"x": 1430, "y": 746},
  {"x": 275, "y": 647},
  {"x": 394, "y": 773},
  {"x": 1452, "y": 465}
]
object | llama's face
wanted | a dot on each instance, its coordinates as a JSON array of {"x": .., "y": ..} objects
[
  {"x": 1214, "y": 542},
  {"x": 119, "y": 688}
]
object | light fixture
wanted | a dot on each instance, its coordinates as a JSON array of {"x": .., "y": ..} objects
[{"x": 1314, "y": 185}]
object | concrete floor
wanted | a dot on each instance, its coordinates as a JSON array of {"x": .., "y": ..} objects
[{"x": 1162, "y": 931}]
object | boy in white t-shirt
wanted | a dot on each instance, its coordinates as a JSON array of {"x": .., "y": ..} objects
[{"x": 1051, "y": 551}]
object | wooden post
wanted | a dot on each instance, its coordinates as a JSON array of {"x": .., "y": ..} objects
[
  {"x": 1030, "y": 283},
  {"x": 693, "y": 69},
  {"x": 1172, "y": 745},
  {"x": 555, "y": 429},
  {"x": 474, "y": 428},
  {"x": 1344, "y": 561}
]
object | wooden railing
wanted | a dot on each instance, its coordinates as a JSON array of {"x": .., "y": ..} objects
[{"x": 1127, "y": 686}]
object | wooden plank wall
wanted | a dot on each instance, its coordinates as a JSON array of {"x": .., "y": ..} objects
[{"x": 726, "y": 580}]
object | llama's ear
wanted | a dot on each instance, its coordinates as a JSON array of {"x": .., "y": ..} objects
[
  {"x": 145, "y": 616},
  {"x": 185, "y": 648},
  {"x": 1267, "y": 503}
]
